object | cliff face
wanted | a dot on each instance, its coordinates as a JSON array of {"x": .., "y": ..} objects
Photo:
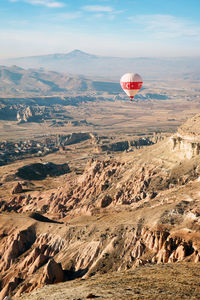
[
  {"x": 185, "y": 146},
  {"x": 186, "y": 143}
]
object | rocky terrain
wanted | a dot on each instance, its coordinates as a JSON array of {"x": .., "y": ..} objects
[
  {"x": 39, "y": 109},
  {"x": 134, "y": 209},
  {"x": 11, "y": 151}
]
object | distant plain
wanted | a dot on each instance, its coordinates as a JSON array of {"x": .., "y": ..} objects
[{"x": 113, "y": 114}]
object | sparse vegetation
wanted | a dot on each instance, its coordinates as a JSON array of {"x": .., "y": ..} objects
[
  {"x": 130, "y": 201},
  {"x": 172, "y": 281}
]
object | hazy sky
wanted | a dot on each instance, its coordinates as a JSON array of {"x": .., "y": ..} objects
[{"x": 125, "y": 28}]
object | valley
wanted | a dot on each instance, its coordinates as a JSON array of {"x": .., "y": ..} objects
[
  {"x": 99, "y": 150},
  {"x": 97, "y": 192}
]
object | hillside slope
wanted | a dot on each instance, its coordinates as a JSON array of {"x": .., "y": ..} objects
[
  {"x": 16, "y": 81},
  {"x": 140, "y": 208}
]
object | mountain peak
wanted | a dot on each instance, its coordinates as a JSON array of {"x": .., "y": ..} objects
[{"x": 77, "y": 52}]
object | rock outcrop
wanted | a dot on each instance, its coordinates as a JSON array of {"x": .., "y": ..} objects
[
  {"x": 75, "y": 138},
  {"x": 185, "y": 146},
  {"x": 186, "y": 143},
  {"x": 25, "y": 115},
  {"x": 128, "y": 145},
  {"x": 52, "y": 273},
  {"x": 17, "y": 189}
]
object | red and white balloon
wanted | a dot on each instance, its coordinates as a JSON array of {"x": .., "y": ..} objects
[{"x": 131, "y": 83}]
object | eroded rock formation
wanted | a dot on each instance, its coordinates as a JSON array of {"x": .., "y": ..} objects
[
  {"x": 119, "y": 214},
  {"x": 17, "y": 189},
  {"x": 35, "y": 256},
  {"x": 187, "y": 140}
]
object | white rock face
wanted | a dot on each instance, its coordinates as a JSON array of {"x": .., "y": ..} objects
[
  {"x": 186, "y": 142},
  {"x": 185, "y": 146}
]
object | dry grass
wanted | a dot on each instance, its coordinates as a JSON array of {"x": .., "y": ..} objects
[{"x": 171, "y": 281}]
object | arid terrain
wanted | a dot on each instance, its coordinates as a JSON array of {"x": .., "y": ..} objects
[
  {"x": 99, "y": 197},
  {"x": 145, "y": 282}
]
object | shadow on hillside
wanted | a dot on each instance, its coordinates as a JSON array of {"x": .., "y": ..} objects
[
  {"x": 38, "y": 217},
  {"x": 72, "y": 274}
]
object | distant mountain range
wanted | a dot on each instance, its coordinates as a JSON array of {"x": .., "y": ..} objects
[
  {"x": 16, "y": 81},
  {"x": 78, "y": 62}
]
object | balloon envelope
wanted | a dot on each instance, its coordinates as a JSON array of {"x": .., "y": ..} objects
[{"x": 131, "y": 83}]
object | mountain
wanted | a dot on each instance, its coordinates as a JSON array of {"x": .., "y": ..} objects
[
  {"x": 79, "y": 62},
  {"x": 16, "y": 81}
]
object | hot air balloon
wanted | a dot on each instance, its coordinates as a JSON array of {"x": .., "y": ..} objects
[{"x": 131, "y": 83}]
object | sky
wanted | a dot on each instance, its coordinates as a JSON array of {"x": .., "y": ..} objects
[{"x": 124, "y": 28}]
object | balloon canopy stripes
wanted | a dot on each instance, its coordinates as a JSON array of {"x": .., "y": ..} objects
[{"x": 131, "y": 83}]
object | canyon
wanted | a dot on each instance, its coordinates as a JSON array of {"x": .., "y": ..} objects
[{"x": 131, "y": 210}]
